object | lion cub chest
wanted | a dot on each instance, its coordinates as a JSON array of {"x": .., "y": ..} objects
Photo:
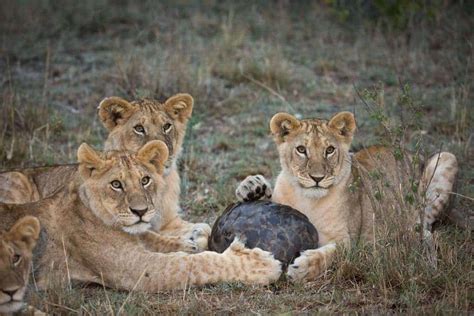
[{"x": 328, "y": 214}]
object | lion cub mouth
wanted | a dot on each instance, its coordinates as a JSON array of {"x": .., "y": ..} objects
[
  {"x": 316, "y": 186},
  {"x": 11, "y": 306},
  {"x": 137, "y": 228}
]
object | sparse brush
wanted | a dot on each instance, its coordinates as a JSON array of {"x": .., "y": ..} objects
[
  {"x": 398, "y": 267},
  {"x": 26, "y": 131}
]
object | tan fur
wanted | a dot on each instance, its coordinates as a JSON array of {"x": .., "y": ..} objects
[
  {"x": 92, "y": 230},
  {"x": 16, "y": 187},
  {"x": 321, "y": 179},
  {"x": 165, "y": 122},
  {"x": 16, "y": 252}
]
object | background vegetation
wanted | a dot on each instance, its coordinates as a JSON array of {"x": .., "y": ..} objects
[{"x": 244, "y": 61}]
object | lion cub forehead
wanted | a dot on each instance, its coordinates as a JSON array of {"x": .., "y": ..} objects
[
  {"x": 149, "y": 105},
  {"x": 117, "y": 155},
  {"x": 122, "y": 159},
  {"x": 150, "y": 110},
  {"x": 314, "y": 128}
]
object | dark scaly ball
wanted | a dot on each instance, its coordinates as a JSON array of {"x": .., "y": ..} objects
[{"x": 273, "y": 227}]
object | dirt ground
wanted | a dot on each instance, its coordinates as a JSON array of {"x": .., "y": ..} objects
[{"x": 243, "y": 62}]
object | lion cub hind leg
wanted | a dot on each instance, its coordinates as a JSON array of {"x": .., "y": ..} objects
[
  {"x": 311, "y": 263},
  {"x": 437, "y": 182},
  {"x": 16, "y": 188},
  {"x": 254, "y": 188}
]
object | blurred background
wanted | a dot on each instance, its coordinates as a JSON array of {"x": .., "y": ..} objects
[{"x": 242, "y": 61}]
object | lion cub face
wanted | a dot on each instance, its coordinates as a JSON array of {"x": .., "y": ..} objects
[
  {"x": 314, "y": 153},
  {"x": 122, "y": 188},
  {"x": 132, "y": 124},
  {"x": 16, "y": 248}
]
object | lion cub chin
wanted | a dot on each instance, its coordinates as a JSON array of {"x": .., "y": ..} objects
[{"x": 16, "y": 252}]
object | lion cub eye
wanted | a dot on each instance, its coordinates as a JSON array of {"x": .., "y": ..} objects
[
  {"x": 116, "y": 185},
  {"x": 146, "y": 181},
  {"x": 16, "y": 259},
  {"x": 301, "y": 149},
  {"x": 139, "y": 129},
  {"x": 167, "y": 127},
  {"x": 329, "y": 150}
]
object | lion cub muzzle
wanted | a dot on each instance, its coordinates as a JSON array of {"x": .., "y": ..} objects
[
  {"x": 138, "y": 219},
  {"x": 11, "y": 297}
]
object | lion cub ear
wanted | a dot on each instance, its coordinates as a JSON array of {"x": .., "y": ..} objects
[
  {"x": 154, "y": 152},
  {"x": 89, "y": 160},
  {"x": 114, "y": 111},
  {"x": 180, "y": 106},
  {"x": 282, "y": 124},
  {"x": 26, "y": 230},
  {"x": 344, "y": 124}
]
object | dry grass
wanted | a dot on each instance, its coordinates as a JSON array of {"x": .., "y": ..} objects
[{"x": 243, "y": 62}]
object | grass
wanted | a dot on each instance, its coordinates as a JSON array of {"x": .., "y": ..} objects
[{"x": 243, "y": 62}]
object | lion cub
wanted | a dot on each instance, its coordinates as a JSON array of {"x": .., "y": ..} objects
[
  {"x": 93, "y": 228},
  {"x": 16, "y": 252},
  {"x": 130, "y": 126},
  {"x": 334, "y": 188}
]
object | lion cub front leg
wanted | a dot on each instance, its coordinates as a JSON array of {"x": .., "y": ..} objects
[
  {"x": 238, "y": 263},
  {"x": 254, "y": 188},
  {"x": 195, "y": 233},
  {"x": 311, "y": 263},
  {"x": 189, "y": 242}
]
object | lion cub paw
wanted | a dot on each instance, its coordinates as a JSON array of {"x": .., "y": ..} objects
[
  {"x": 196, "y": 240},
  {"x": 254, "y": 266},
  {"x": 310, "y": 264},
  {"x": 254, "y": 188},
  {"x": 299, "y": 269}
]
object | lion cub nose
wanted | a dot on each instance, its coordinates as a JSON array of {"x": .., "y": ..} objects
[
  {"x": 317, "y": 179},
  {"x": 10, "y": 293},
  {"x": 139, "y": 212}
]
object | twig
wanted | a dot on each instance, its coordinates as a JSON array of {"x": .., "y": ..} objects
[
  {"x": 187, "y": 281},
  {"x": 62, "y": 306},
  {"x": 461, "y": 195},
  {"x": 46, "y": 74},
  {"x": 67, "y": 265},
  {"x": 130, "y": 293},
  {"x": 272, "y": 91},
  {"x": 361, "y": 98},
  {"x": 436, "y": 166},
  {"x": 106, "y": 295}
]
